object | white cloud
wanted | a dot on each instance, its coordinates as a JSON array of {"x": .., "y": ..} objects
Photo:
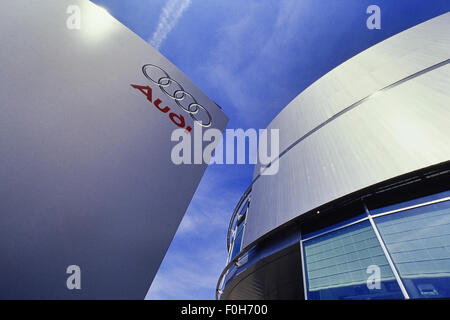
[
  {"x": 198, "y": 252},
  {"x": 251, "y": 49},
  {"x": 191, "y": 275},
  {"x": 168, "y": 19}
]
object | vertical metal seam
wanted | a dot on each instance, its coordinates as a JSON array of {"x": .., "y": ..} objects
[
  {"x": 386, "y": 253},
  {"x": 305, "y": 289}
]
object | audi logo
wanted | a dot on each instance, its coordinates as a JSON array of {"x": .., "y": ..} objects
[{"x": 175, "y": 91}]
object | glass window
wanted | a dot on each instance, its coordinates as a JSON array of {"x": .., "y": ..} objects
[
  {"x": 237, "y": 240},
  {"x": 418, "y": 241},
  {"x": 337, "y": 266},
  {"x": 244, "y": 208}
]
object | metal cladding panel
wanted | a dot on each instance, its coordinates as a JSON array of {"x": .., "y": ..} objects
[
  {"x": 395, "y": 131},
  {"x": 373, "y": 69},
  {"x": 86, "y": 176}
]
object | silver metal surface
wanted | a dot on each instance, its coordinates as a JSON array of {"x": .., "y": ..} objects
[
  {"x": 381, "y": 65},
  {"x": 86, "y": 176},
  {"x": 396, "y": 131},
  {"x": 177, "y": 95}
]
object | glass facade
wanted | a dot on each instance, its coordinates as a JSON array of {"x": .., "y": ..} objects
[
  {"x": 237, "y": 240},
  {"x": 396, "y": 252},
  {"x": 339, "y": 265},
  {"x": 238, "y": 231},
  {"x": 418, "y": 241},
  {"x": 399, "y": 251}
]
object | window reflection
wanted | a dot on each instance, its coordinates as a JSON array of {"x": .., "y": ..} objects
[
  {"x": 418, "y": 241},
  {"x": 337, "y": 263},
  {"x": 237, "y": 240}
]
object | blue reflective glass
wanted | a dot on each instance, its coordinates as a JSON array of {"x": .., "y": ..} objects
[
  {"x": 242, "y": 212},
  {"x": 244, "y": 208},
  {"x": 238, "y": 240},
  {"x": 340, "y": 265},
  {"x": 418, "y": 241},
  {"x": 412, "y": 202}
]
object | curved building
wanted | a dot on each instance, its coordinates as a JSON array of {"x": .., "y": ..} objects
[{"x": 359, "y": 208}]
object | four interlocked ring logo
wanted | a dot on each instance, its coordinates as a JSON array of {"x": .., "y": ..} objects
[{"x": 175, "y": 91}]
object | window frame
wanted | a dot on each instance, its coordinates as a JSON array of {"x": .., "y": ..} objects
[
  {"x": 370, "y": 217},
  {"x": 234, "y": 231}
]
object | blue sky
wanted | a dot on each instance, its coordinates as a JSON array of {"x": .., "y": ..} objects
[{"x": 252, "y": 57}]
